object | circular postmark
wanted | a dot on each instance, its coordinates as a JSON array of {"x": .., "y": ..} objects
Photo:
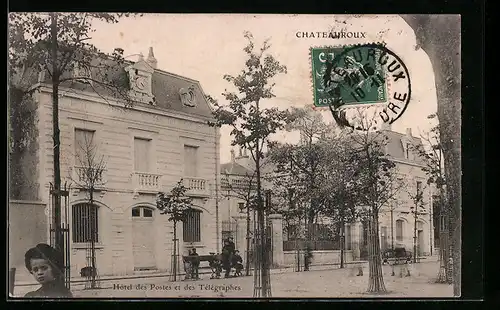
[{"x": 364, "y": 76}]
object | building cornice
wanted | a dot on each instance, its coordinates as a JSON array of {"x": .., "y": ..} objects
[{"x": 114, "y": 102}]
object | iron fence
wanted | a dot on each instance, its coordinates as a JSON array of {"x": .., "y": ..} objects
[{"x": 314, "y": 245}]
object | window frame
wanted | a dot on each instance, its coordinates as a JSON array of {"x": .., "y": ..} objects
[
  {"x": 400, "y": 238},
  {"x": 197, "y": 160},
  {"x": 198, "y": 233},
  {"x": 98, "y": 223}
]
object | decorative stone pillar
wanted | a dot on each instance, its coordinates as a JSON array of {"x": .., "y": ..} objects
[
  {"x": 241, "y": 233},
  {"x": 355, "y": 240},
  {"x": 277, "y": 237}
]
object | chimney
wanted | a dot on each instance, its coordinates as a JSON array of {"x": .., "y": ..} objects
[
  {"x": 151, "y": 60},
  {"x": 232, "y": 156},
  {"x": 141, "y": 57},
  {"x": 408, "y": 132},
  {"x": 385, "y": 127}
]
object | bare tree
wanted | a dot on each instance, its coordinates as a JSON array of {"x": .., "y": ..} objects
[
  {"x": 53, "y": 45},
  {"x": 88, "y": 176}
]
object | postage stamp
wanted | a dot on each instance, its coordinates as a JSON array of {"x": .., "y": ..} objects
[{"x": 361, "y": 75}]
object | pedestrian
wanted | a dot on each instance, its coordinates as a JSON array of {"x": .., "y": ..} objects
[
  {"x": 227, "y": 254},
  {"x": 195, "y": 263},
  {"x": 46, "y": 265}
]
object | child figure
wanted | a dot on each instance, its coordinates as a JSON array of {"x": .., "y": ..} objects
[{"x": 46, "y": 264}]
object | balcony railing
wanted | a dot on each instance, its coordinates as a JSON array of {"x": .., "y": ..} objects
[
  {"x": 196, "y": 186},
  {"x": 84, "y": 177},
  {"x": 147, "y": 182}
]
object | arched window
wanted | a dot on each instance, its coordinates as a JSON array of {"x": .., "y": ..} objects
[
  {"x": 85, "y": 223},
  {"x": 142, "y": 212},
  {"x": 399, "y": 230},
  {"x": 191, "y": 226}
]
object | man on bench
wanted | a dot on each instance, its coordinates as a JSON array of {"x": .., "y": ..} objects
[{"x": 237, "y": 263}]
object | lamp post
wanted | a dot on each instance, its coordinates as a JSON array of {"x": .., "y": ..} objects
[
  {"x": 417, "y": 200},
  {"x": 247, "y": 271}
]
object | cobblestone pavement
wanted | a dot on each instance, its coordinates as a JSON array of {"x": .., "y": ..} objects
[{"x": 311, "y": 284}]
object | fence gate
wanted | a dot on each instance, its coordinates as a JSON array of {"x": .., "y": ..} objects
[{"x": 61, "y": 232}]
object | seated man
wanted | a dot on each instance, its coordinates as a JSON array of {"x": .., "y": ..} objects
[
  {"x": 216, "y": 266},
  {"x": 237, "y": 263}
]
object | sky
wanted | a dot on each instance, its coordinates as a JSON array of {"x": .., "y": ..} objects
[{"x": 204, "y": 47}]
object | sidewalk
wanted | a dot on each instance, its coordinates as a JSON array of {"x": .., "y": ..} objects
[
  {"x": 317, "y": 283},
  {"x": 333, "y": 283},
  {"x": 26, "y": 283}
]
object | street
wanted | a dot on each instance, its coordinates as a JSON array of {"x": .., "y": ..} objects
[{"x": 334, "y": 283}]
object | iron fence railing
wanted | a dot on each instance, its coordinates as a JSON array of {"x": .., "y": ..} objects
[{"x": 314, "y": 245}]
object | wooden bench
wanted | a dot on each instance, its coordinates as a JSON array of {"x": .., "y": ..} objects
[{"x": 211, "y": 261}]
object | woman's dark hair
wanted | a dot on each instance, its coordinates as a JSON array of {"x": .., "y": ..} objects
[{"x": 45, "y": 251}]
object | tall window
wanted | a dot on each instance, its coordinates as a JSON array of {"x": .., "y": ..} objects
[
  {"x": 399, "y": 230},
  {"x": 84, "y": 140},
  {"x": 419, "y": 187},
  {"x": 85, "y": 223},
  {"x": 190, "y": 161},
  {"x": 191, "y": 227},
  {"x": 384, "y": 237},
  {"x": 141, "y": 154}
]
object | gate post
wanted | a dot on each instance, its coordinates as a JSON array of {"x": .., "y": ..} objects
[{"x": 276, "y": 221}]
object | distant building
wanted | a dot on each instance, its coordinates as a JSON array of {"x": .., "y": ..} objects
[
  {"x": 398, "y": 232},
  {"x": 147, "y": 148}
]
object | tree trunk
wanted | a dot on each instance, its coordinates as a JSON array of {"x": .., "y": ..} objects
[
  {"x": 375, "y": 275},
  {"x": 264, "y": 280},
  {"x": 174, "y": 271},
  {"x": 59, "y": 242},
  {"x": 93, "y": 235},
  {"x": 439, "y": 37},
  {"x": 247, "y": 271},
  {"x": 342, "y": 241}
]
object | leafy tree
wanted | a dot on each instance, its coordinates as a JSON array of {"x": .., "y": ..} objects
[
  {"x": 243, "y": 187},
  {"x": 439, "y": 37},
  {"x": 303, "y": 163},
  {"x": 251, "y": 124},
  {"x": 54, "y": 44},
  {"x": 416, "y": 195},
  {"x": 177, "y": 205},
  {"x": 339, "y": 187},
  {"x": 432, "y": 155},
  {"x": 377, "y": 183}
]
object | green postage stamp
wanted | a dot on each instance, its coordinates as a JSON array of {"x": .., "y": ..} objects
[{"x": 343, "y": 76}]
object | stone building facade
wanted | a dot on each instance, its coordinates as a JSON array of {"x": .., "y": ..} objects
[{"x": 148, "y": 147}]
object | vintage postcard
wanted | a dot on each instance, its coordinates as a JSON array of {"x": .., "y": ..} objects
[{"x": 234, "y": 156}]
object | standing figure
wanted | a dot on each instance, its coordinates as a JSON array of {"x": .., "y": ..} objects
[
  {"x": 227, "y": 253},
  {"x": 46, "y": 264},
  {"x": 195, "y": 264}
]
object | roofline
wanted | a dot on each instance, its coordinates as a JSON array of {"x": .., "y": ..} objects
[
  {"x": 44, "y": 87},
  {"x": 189, "y": 80}
]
